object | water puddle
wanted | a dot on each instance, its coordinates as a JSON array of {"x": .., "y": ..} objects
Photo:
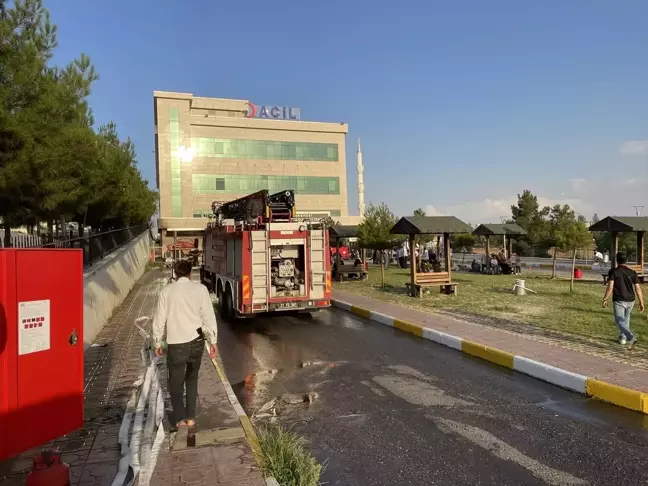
[{"x": 284, "y": 405}]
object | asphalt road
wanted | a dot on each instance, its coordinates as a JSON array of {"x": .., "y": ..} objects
[{"x": 393, "y": 409}]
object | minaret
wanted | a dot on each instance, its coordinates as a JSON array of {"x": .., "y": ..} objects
[{"x": 360, "y": 170}]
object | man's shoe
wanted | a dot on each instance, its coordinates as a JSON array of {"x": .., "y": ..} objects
[
  {"x": 622, "y": 339},
  {"x": 632, "y": 343}
]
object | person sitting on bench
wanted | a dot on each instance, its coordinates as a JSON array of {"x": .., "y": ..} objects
[{"x": 504, "y": 265}]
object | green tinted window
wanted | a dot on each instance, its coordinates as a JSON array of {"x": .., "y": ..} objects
[
  {"x": 176, "y": 183},
  {"x": 264, "y": 150},
  {"x": 245, "y": 184}
]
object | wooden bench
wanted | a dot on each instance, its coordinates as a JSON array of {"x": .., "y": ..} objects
[{"x": 433, "y": 279}]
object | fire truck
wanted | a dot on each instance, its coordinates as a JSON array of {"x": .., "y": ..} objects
[{"x": 259, "y": 258}]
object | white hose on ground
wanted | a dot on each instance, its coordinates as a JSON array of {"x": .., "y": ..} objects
[
  {"x": 140, "y": 456},
  {"x": 136, "y": 438},
  {"x": 145, "y": 475},
  {"x": 126, "y": 459},
  {"x": 148, "y": 436}
]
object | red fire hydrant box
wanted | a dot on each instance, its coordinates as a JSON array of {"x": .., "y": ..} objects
[{"x": 41, "y": 346}]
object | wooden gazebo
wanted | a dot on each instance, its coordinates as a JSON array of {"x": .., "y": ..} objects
[
  {"x": 615, "y": 225},
  {"x": 511, "y": 230},
  {"x": 430, "y": 225},
  {"x": 339, "y": 232}
]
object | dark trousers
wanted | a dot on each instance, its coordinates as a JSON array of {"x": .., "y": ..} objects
[{"x": 183, "y": 363}]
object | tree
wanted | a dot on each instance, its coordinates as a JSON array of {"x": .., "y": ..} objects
[
  {"x": 575, "y": 237},
  {"x": 560, "y": 220},
  {"x": 329, "y": 221},
  {"x": 528, "y": 215},
  {"x": 462, "y": 240},
  {"x": 422, "y": 239},
  {"x": 373, "y": 231},
  {"x": 27, "y": 40},
  {"x": 567, "y": 232},
  {"x": 53, "y": 166}
]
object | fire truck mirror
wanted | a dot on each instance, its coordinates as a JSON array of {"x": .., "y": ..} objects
[
  {"x": 74, "y": 338},
  {"x": 196, "y": 243}
]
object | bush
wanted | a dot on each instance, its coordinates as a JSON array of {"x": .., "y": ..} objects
[{"x": 284, "y": 456}]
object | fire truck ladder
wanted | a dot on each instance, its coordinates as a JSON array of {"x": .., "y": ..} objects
[
  {"x": 282, "y": 206},
  {"x": 260, "y": 207}
]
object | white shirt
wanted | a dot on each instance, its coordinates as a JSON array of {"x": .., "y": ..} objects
[{"x": 182, "y": 308}]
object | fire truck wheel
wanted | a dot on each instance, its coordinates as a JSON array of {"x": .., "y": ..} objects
[
  {"x": 228, "y": 305},
  {"x": 221, "y": 302}
]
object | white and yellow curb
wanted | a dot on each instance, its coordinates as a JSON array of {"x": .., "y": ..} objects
[{"x": 601, "y": 390}]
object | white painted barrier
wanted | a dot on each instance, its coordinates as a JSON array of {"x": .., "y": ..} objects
[{"x": 107, "y": 283}]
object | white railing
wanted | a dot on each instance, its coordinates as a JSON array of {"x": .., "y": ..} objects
[{"x": 22, "y": 240}]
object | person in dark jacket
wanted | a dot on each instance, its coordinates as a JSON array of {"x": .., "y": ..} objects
[{"x": 624, "y": 287}]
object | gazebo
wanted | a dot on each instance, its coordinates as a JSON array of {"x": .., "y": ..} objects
[
  {"x": 510, "y": 229},
  {"x": 430, "y": 225},
  {"x": 615, "y": 225},
  {"x": 338, "y": 232}
]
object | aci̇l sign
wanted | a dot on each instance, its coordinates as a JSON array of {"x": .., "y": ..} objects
[{"x": 272, "y": 112}]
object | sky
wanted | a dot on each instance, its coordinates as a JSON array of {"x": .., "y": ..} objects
[{"x": 460, "y": 105}]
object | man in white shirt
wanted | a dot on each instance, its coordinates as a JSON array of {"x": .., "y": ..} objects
[{"x": 185, "y": 312}]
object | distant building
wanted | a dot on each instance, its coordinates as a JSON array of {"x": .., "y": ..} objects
[{"x": 212, "y": 149}]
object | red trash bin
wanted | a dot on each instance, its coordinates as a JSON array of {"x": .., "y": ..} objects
[{"x": 578, "y": 273}]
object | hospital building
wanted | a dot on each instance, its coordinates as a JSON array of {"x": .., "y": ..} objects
[{"x": 213, "y": 149}]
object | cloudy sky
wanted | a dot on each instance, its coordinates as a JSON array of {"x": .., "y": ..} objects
[{"x": 612, "y": 191}]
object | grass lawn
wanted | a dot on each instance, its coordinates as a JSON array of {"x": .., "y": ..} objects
[{"x": 489, "y": 299}]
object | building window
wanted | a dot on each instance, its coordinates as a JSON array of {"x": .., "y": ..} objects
[
  {"x": 264, "y": 150},
  {"x": 176, "y": 181},
  {"x": 246, "y": 184}
]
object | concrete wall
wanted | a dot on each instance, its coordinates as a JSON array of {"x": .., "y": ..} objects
[{"x": 108, "y": 282}]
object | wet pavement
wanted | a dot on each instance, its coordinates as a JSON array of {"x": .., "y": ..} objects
[{"x": 393, "y": 409}]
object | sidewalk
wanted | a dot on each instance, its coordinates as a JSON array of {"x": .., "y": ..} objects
[
  {"x": 618, "y": 372},
  {"x": 221, "y": 454}
]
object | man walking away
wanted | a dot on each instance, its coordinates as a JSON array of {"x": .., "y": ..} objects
[
  {"x": 185, "y": 313},
  {"x": 624, "y": 287}
]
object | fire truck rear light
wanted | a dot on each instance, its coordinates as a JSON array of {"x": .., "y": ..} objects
[{"x": 322, "y": 303}]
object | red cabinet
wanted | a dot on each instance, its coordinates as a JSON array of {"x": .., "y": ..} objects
[{"x": 41, "y": 346}]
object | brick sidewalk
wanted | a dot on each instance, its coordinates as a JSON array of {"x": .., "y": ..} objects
[
  {"x": 612, "y": 371},
  {"x": 221, "y": 456}
]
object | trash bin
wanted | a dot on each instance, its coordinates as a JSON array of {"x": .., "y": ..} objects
[{"x": 578, "y": 273}]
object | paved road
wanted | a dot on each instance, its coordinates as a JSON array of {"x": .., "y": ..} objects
[{"x": 393, "y": 409}]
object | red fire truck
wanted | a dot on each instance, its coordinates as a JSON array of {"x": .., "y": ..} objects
[{"x": 258, "y": 257}]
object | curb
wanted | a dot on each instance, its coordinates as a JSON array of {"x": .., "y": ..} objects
[
  {"x": 601, "y": 390},
  {"x": 248, "y": 428}
]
